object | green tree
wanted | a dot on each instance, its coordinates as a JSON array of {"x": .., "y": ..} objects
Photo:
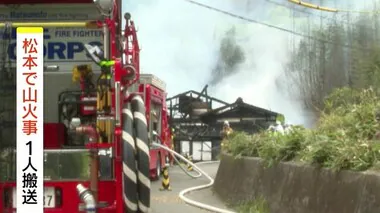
[{"x": 351, "y": 57}]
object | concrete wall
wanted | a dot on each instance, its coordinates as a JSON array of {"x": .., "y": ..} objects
[{"x": 296, "y": 188}]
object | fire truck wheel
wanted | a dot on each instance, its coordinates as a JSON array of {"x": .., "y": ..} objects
[
  {"x": 129, "y": 162},
  {"x": 158, "y": 167},
  {"x": 143, "y": 157}
]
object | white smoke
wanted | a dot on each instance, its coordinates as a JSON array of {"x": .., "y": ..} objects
[{"x": 180, "y": 43}]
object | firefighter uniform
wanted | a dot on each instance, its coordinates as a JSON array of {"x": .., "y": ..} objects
[
  {"x": 227, "y": 131},
  {"x": 172, "y": 137},
  {"x": 171, "y": 157}
]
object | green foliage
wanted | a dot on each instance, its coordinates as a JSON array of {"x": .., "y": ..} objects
[
  {"x": 271, "y": 147},
  {"x": 259, "y": 205},
  {"x": 343, "y": 139},
  {"x": 351, "y": 57}
]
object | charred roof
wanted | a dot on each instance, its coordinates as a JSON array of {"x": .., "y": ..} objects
[{"x": 238, "y": 110}]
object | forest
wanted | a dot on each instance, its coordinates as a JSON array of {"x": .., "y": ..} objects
[{"x": 337, "y": 53}]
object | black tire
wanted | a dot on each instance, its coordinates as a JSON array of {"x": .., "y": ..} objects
[
  {"x": 143, "y": 157},
  {"x": 130, "y": 196}
]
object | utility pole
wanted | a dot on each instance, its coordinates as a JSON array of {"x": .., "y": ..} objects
[
  {"x": 349, "y": 67},
  {"x": 294, "y": 28},
  {"x": 311, "y": 84},
  {"x": 322, "y": 62},
  {"x": 376, "y": 21}
]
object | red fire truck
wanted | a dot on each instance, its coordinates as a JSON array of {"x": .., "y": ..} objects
[{"x": 100, "y": 118}]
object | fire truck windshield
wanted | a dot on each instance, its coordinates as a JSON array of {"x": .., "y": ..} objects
[{"x": 60, "y": 165}]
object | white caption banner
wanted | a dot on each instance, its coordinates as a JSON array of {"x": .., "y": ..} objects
[{"x": 29, "y": 186}]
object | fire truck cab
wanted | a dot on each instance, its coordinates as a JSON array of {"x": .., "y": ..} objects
[{"x": 154, "y": 94}]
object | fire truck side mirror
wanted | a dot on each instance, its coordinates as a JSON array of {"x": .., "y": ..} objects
[{"x": 127, "y": 16}]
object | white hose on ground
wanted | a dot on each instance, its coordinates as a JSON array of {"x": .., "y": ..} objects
[
  {"x": 183, "y": 169},
  {"x": 207, "y": 162},
  {"x": 183, "y": 192}
]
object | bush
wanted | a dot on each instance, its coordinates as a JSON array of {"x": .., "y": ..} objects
[
  {"x": 271, "y": 147},
  {"x": 343, "y": 138}
]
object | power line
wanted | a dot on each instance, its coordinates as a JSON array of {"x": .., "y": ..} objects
[
  {"x": 299, "y": 10},
  {"x": 314, "y": 14},
  {"x": 313, "y": 6},
  {"x": 328, "y": 9},
  {"x": 273, "y": 26}
]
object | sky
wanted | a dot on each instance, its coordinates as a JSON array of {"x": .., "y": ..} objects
[{"x": 180, "y": 44}]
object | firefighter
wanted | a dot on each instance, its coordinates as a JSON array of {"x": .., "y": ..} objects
[
  {"x": 172, "y": 137},
  {"x": 171, "y": 157},
  {"x": 279, "y": 128},
  {"x": 227, "y": 130},
  {"x": 271, "y": 128}
]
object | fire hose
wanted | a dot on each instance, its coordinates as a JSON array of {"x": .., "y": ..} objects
[
  {"x": 185, "y": 170},
  {"x": 136, "y": 182},
  {"x": 142, "y": 153},
  {"x": 129, "y": 161},
  {"x": 196, "y": 188}
]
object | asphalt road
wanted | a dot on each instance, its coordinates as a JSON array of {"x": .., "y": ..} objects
[{"x": 169, "y": 202}]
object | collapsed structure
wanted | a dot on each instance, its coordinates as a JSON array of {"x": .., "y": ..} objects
[{"x": 197, "y": 119}]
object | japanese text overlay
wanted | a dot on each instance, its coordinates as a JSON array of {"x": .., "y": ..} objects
[{"x": 29, "y": 196}]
